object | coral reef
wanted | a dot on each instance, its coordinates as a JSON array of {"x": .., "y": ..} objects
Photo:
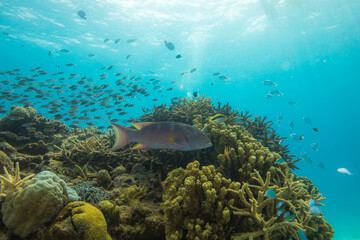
[
  {"x": 215, "y": 193},
  {"x": 80, "y": 220},
  {"x": 9, "y": 181},
  {"x": 88, "y": 193},
  {"x": 196, "y": 204},
  {"x": 24, "y": 210}
]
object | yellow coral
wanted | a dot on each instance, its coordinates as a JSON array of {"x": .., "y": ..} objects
[
  {"x": 9, "y": 181},
  {"x": 133, "y": 194},
  {"x": 110, "y": 210},
  {"x": 89, "y": 220}
]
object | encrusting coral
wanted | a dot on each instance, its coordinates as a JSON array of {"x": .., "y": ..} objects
[{"x": 24, "y": 210}]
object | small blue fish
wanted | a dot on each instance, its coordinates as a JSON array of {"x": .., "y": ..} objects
[
  {"x": 302, "y": 235},
  {"x": 294, "y": 137},
  {"x": 280, "y": 160},
  {"x": 269, "y": 83},
  {"x": 279, "y": 204},
  {"x": 287, "y": 214},
  {"x": 290, "y": 218},
  {"x": 279, "y": 212},
  {"x": 270, "y": 193},
  {"x": 276, "y": 92},
  {"x": 314, "y": 210},
  {"x": 314, "y": 147},
  {"x": 306, "y": 158},
  {"x": 307, "y": 120},
  {"x": 312, "y": 203},
  {"x": 169, "y": 45}
]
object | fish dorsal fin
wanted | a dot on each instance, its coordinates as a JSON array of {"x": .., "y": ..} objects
[
  {"x": 140, "y": 146},
  {"x": 141, "y": 125}
]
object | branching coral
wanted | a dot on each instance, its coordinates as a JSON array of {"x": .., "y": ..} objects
[
  {"x": 196, "y": 203},
  {"x": 265, "y": 216},
  {"x": 9, "y": 181},
  {"x": 186, "y": 109}
]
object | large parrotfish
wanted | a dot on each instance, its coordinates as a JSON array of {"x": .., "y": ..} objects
[{"x": 161, "y": 135}]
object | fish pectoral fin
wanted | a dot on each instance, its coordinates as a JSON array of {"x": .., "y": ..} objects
[
  {"x": 140, "y": 146},
  {"x": 174, "y": 140},
  {"x": 178, "y": 140}
]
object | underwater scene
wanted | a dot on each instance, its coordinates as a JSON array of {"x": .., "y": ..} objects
[{"x": 174, "y": 120}]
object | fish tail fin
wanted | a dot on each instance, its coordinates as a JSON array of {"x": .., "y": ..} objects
[{"x": 122, "y": 136}]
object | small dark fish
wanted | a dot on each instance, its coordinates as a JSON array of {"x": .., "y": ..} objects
[
  {"x": 106, "y": 40},
  {"x": 49, "y": 53},
  {"x": 316, "y": 129},
  {"x": 321, "y": 165},
  {"x": 178, "y": 56},
  {"x": 128, "y": 56},
  {"x": 291, "y": 123},
  {"x": 193, "y": 70},
  {"x": 301, "y": 137},
  {"x": 129, "y": 105},
  {"x": 82, "y": 14},
  {"x": 64, "y": 50},
  {"x": 170, "y": 89},
  {"x": 169, "y": 45},
  {"x": 131, "y": 40},
  {"x": 111, "y": 67},
  {"x": 122, "y": 113},
  {"x": 115, "y": 120},
  {"x": 70, "y": 64},
  {"x": 91, "y": 55},
  {"x": 117, "y": 40},
  {"x": 217, "y": 74},
  {"x": 183, "y": 73},
  {"x": 292, "y": 103},
  {"x": 195, "y": 94},
  {"x": 155, "y": 99}
]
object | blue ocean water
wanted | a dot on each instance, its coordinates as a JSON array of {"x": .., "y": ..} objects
[{"x": 311, "y": 49}]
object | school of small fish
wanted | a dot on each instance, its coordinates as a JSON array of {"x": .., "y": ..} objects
[{"x": 295, "y": 136}]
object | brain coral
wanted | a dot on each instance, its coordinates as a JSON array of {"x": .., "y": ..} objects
[
  {"x": 24, "y": 210},
  {"x": 81, "y": 221}
]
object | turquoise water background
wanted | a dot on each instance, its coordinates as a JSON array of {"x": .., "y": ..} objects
[{"x": 311, "y": 50}]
